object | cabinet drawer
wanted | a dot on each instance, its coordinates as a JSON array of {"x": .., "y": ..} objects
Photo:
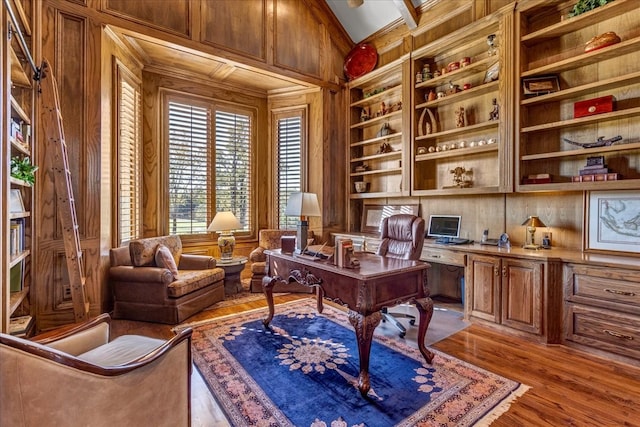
[
  {"x": 444, "y": 257},
  {"x": 604, "y": 330},
  {"x": 606, "y": 287}
]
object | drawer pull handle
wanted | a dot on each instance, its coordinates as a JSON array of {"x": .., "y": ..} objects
[
  {"x": 617, "y": 292},
  {"x": 618, "y": 334},
  {"x": 436, "y": 256}
]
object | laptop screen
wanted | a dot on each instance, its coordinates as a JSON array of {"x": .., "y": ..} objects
[{"x": 444, "y": 226}]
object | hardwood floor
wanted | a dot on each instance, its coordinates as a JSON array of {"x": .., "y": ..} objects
[{"x": 568, "y": 387}]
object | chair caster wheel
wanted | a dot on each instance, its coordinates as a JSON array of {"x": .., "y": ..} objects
[
  {"x": 412, "y": 322},
  {"x": 401, "y": 334}
]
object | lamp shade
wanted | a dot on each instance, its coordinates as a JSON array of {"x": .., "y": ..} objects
[
  {"x": 533, "y": 221},
  {"x": 303, "y": 204},
  {"x": 224, "y": 221}
]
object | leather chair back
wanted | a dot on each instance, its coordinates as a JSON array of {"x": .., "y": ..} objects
[{"x": 402, "y": 236}]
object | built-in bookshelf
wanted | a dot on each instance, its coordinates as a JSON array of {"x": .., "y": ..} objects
[
  {"x": 590, "y": 95},
  {"x": 19, "y": 94}
]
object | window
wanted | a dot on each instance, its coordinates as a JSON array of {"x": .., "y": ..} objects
[
  {"x": 128, "y": 155},
  {"x": 291, "y": 167},
  {"x": 210, "y": 166}
]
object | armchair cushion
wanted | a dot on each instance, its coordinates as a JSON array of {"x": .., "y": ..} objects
[
  {"x": 164, "y": 259},
  {"x": 143, "y": 251},
  {"x": 120, "y": 351}
]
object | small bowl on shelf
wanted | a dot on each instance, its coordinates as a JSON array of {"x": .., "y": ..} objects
[{"x": 361, "y": 186}]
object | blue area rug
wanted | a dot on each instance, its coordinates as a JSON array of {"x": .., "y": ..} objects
[{"x": 303, "y": 371}]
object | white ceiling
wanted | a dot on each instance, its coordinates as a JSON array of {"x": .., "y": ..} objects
[{"x": 373, "y": 15}]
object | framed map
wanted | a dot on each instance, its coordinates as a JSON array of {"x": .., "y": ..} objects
[{"x": 613, "y": 221}]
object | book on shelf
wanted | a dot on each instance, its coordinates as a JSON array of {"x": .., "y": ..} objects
[
  {"x": 16, "y": 277},
  {"x": 539, "y": 178},
  {"x": 19, "y": 326},
  {"x": 16, "y": 236},
  {"x": 597, "y": 177}
]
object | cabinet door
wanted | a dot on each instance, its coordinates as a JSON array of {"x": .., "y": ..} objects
[
  {"x": 483, "y": 283},
  {"x": 522, "y": 295}
]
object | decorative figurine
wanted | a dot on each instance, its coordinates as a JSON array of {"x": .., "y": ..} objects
[
  {"x": 385, "y": 147},
  {"x": 460, "y": 117},
  {"x": 600, "y": 142},
  {"x": 365, "y": 114},
  {"x": 432, "y": 96},
  {"x": 494, "y": 115},
  {"x": 452, "y": 88},
  {"x": 491, "y": 41},
  {"x": 384, "y": 131},
  {"x": 461, "y": 177},
  {"x": 426, "y": 72},
  {"x": 418, "y": 77}
]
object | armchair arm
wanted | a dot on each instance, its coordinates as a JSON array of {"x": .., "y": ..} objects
[
  {"x": 127, "y": 273},
  {"x": 81, "y": 337},
  {"x": 59, "y": 357},
  {"x": 257, "y": 255},
  {"x": 196, "y": 262}
]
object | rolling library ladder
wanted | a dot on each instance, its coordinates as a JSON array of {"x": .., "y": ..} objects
[{"x": 55, "y": 143}]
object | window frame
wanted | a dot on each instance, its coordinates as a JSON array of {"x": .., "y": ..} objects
[
  {"x": 213, "y": 104},
  {"x": 282, "y": 114}
]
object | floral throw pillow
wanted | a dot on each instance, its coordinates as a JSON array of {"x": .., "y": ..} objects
[{"x": 165, "y": 259}]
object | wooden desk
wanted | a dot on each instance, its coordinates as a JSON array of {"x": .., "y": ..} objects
[{"x": 378, "y": 282}]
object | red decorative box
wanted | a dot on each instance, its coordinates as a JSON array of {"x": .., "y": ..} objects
[{"x": 593, "y": 106}]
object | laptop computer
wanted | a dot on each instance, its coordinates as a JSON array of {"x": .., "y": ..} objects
[{"x": 445, "y": 229}]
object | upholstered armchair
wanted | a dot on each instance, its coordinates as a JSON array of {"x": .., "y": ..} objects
[
  {"x": 270, "y": 239},
  {"x": 81, "y": 378},
  {"x": 154, "y": 281},
  {"x": 401, "y": 236}
]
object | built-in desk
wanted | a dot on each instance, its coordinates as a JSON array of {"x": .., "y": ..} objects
[{"x": 560, "y": 296}]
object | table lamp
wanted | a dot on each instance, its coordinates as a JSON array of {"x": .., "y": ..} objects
[
  {"x": 302, "y": 205},
  {"x": 531, "y": 223},
  {"x": 224, "y": 222}
]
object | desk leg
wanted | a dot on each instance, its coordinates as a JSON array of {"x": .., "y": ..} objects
[
  {"x": 267, "y": 287},
  {"x": 425, "y": 308},
  {"x": 364, "y": 326}
]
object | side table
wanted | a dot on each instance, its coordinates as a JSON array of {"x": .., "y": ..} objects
[{"x": 232, "y": 269}]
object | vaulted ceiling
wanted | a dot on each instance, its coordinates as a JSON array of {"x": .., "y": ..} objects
[{"x": 362, "y": 18}]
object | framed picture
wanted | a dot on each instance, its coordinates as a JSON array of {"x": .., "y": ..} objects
[
  {"x": 16, "y": 204},
  {"x": 372, "y": 215},
  {"x": 612, "y": 221},
  {"x": 542, "y": 85}
]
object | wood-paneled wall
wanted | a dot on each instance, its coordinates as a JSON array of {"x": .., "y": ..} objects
[{"x": 294, "y": 38}]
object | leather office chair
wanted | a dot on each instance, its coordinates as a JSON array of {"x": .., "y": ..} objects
[{"x": 401, "y": 237}]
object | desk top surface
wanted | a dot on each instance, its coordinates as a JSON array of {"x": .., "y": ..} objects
[{"x": 371, "y": 265}]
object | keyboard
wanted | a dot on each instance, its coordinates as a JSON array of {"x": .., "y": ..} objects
[{"x": 452, "y": 241}]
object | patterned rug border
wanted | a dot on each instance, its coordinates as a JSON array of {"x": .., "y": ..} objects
[{"x": 486, "y": 419}]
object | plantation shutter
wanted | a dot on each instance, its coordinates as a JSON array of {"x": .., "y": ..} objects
[
  {"x": 233, "y": 165},
  {"x": 289, "y": 166},
  {"x": 189, "y": 173},
  {"x": 129, "y": 161}
]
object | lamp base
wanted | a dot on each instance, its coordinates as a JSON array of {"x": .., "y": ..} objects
[
  {"x": 226, "y": 243},
  {"x": 531, "y": 246},
  {"x": 301, "y": 237}
]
